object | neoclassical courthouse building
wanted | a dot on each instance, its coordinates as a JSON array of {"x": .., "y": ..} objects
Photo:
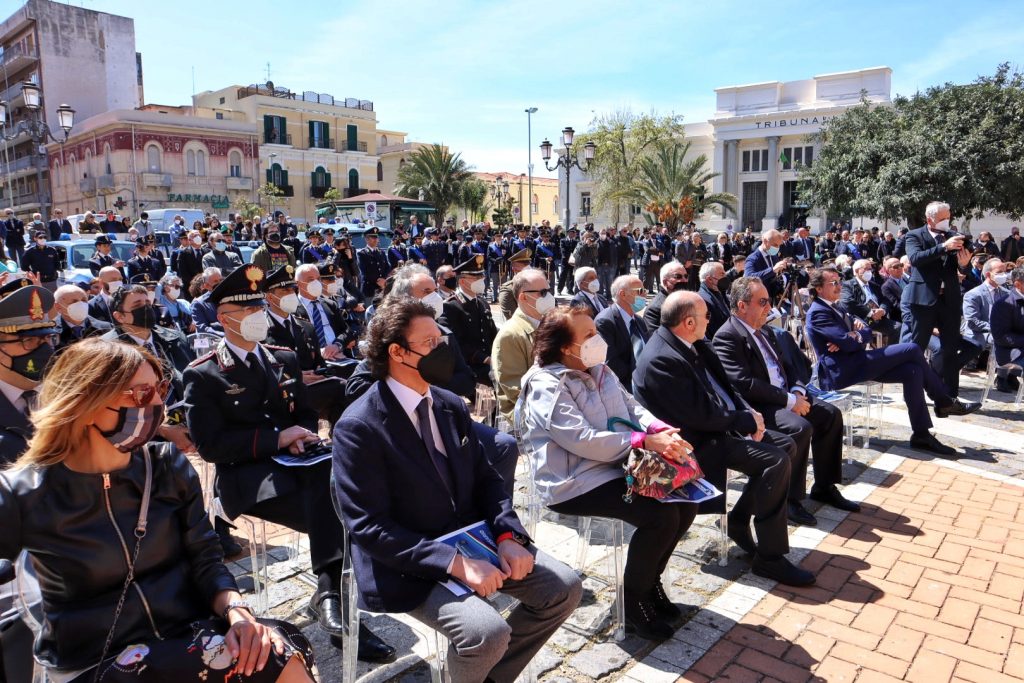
[{"x": 756, "y": 142}]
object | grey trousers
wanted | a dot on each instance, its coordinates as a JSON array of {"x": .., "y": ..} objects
[{"x": 485, "y": 645}]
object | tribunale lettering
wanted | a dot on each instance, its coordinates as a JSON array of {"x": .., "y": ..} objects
[{"x": 805, "y": 121}]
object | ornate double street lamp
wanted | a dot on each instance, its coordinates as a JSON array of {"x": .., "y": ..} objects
[
  {"x": 38, "y": 131},
  {"x": 499, "y": 191},
  {"x": 567, "y": 160}
]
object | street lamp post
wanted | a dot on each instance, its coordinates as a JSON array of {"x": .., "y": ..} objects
[
  {"x": 529, "y": 161},
  {"x": 499, "y": 190},
  {"x": 567, "y": 160},
  {"x": 37, "y": 130}
]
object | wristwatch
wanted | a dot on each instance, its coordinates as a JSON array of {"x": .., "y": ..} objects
[
  {"x": 514, "y": 536},
  {"x": 236, "y": 604}
]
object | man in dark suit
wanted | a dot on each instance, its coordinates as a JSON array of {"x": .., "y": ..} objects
[
  {"x": 680, "y": 379},
  {"x": 111, "y": 280},
  {"x": 622, "y": 328},
  {"x": 401, "y": 449},
  {"x": 324, "y": 393},
  {"x": 588, "y": 294},
  {"x": 802, "y": 246},
  {"x": 373, "y": 265},
  {"x": 892, "y": 289},
  {"x": 246, "y": 403},
  {"x": 73, "y": 320},
  {"x": 14, "y": 235},
  {"x": 468, "y": 316},
  {"x": 932, "y": 300},
  {"x": 711, "y": 273},
  {"x": 1012, "y": 248},
  {"x": 190, "y": 261},
  {"x": 204, "y": 313},
  {"x": 566, "y": 247},
  {"x": 759, "y": 371},
  {"x": 671, "y": 278},
  {"x": 838, "y": 341},
  {"x": 317, "y": 308},
  {"x": 1007, "y": 328},
  {"x": 767, "y": 264},
  {"x": 862, "y": 298},
  {"x": 59, "y": 226}
]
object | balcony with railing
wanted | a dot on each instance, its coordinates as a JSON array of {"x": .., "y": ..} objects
[
  {"x": 87, "y": 186},
  {"x": 270, "y": 90},
  {"x": 346, "y": 146},
  {"x": 157, "y": 179},
  {"x": 18, "y": 57},
  {"x": 275, "y": 138},
  {"x": 286, "y": 190},
  {"x": 238, "y": 183},
  {"x": 105, "y": 183},
  {"x": 318, "y": 191},
  {"x": 354, "y": 191},
  {"x": 321, "y": 143}
]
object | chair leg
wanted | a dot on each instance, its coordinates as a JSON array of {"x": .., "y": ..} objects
[
  {"x": 620, "y": 601},
  {"x": 349, "y": 593},
  {"x": 723, "y": 539},
  {"x": 439, "y": 668},
  {"x": 583, "y": 543}
]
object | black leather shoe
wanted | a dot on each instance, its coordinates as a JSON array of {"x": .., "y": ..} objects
[
  {"x": 829, "y": 495},
  {"x": 663, "y": 605},
  {"x": 371, "y": 648},
  {"x": 228, "y": 544},
  {"x": 642, "y": 619},
  {"x": 782, "y": 570},
  {"x": 798, "y": 514},
  {"x": 927, "y": 442},
  {"x": 956, "y": 407},
  {"x": 326, "y": 609},
  {"x": 740, "y": 534}
]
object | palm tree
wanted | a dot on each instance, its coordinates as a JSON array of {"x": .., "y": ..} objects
[
  {"x": 473, "y": 198},
  {"x": 672, "y": 190},
  {"x": 437, "y": 174}
]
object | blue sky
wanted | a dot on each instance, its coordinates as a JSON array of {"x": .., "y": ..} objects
[{"x": 462, "y": 72}]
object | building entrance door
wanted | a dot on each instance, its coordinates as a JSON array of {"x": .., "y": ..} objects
[
  {"x": 755, "y": 203},
  {"x": 794, "y": 211}
]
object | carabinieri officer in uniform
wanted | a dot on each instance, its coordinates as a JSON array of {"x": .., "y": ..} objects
[{"x": 246, "y": 404}]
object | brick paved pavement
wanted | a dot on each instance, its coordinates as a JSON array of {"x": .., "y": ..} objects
[{"x": 748, "y": 625}]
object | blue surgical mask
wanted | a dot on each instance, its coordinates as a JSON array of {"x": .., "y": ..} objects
[
  {"x": 773, "y": 251},
  {"x": 638, "y": 304},
  {"x": 222, "y": 246}
]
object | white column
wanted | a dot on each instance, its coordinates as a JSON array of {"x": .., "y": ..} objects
[
  {"x": 732, "y": 169},
  {"x": 771, "y": 219},
  {"x": 718, "y": 165}
]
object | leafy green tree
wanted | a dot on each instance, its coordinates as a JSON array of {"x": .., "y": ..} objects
[
  {"x": 473, "y": 198},
  {"x": 270, "y": 193},
  {"x": 438, "y": 174},
  {"x": 963, "y": 144},
  {"x": 246, "y": 208},
  {"x": 502, "y": 217},
  {"x": 332, "y": 194},
  {"x": 624, "y": 140},
  {"x": 672, "y": 190}
]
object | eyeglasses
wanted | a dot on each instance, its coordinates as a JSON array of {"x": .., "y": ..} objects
[
  {"x": 542, "y": 292},
  {"x": 831, "y": 282},
  {"x": 33, "y": 343},
  {"x": 432, "y": 342},
  {"x": 895, "y": 267},
  {"x": 142, "y": 394},
  {"x": 639, "y": 291},
  {"x": 763, "y": 301}
]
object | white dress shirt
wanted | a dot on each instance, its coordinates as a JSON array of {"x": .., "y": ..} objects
[
  {"x": 774, "y": 372},
  {"x": 409, "y": 400},
  {"x": 308, "y": 304}
]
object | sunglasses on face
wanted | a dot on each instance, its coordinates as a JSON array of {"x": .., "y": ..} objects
[
  {"x": 142, "y": 394},
  {"x": 542, "y": 292}
]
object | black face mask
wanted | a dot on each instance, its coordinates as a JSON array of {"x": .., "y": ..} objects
[
  {"x": 679, "y": 286},
  {"x": 31, "y": 365},
  {"x": 145, "y": 316},
  {"x": 450, "y": 282},
  {"x": 436, "y": 367},
  {"x": 274, "y": 238}
]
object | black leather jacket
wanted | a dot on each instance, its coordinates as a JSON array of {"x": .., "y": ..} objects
[{"x": 63, "y": 519}]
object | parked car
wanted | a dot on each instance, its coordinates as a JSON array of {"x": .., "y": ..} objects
[{"x": 75, "y": 254}]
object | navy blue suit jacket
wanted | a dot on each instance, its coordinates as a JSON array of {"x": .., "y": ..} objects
[
  {"x": 759, "y": 265},
  {"x": 933, "y": 269},
  {"x": 394, "y": 503},
  {"x": 846, "y": 366},
  {"x": 1007, "y": 326},
  {"x": 204, "y": 314},
  {"x": 612, "y": 329}
]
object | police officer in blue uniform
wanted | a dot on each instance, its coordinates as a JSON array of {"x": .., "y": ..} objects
[
  {"x": 468, "y": 316},
  {"x": 373, "y": 265},
  {"x": 43, "y": 260},
  {"x": 436, "y": 250}
]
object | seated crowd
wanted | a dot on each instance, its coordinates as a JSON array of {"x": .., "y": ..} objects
[{"x": 106, "y": 387}]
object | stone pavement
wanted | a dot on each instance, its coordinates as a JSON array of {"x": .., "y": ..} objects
[{"x": 926, "y": 580}]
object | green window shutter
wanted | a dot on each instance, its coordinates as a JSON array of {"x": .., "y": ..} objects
[
  {"x": 353, "y": 179},
  {"x": 312, "y": 132},
  {"x": 284, "y": 177},
  {"x": 268, "y": 128},
  {"x": 327, "y": 182},
  {"x": 270, "y": 176},
  {"x": 353, "y": 137}
]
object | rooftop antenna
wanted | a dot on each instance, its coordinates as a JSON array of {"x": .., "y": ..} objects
[
  {"x": 193, "y": 80},
  {"x": 268, "y": 71}
]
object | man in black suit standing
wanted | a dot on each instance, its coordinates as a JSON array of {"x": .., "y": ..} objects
[
  {"x": 711, "y": 273},
  {"x": 759, "y": 371},
  {"x": 59, "y": 226},
  {"x": 932, "y": 297},
  {"x": 680, "y": 379},
  {"x": 622, "y": 328}
]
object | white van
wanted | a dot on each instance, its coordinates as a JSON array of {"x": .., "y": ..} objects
[{"x": 163, "y": 219}]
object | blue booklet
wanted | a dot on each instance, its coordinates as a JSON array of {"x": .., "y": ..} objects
[
  {"x": 475, "y": 542},
  {"x": 697, "y": 491}
]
